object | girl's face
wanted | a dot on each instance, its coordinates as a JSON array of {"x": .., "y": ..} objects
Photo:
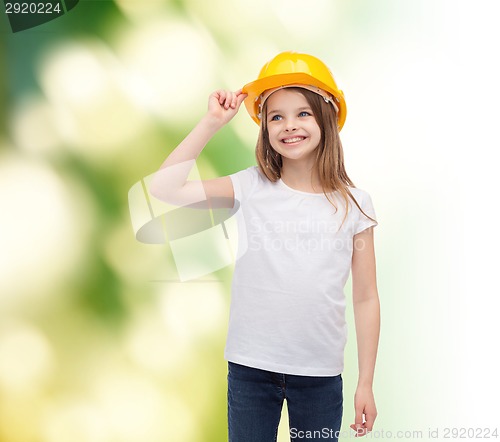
[{"x": 292, "y": 127}]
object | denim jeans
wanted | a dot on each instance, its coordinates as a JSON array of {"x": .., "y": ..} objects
[{"x": 255, "y": 399}]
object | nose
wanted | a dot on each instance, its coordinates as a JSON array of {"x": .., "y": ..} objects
[{"x": 291, "y": 125}]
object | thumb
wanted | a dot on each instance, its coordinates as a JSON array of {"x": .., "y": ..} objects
[
  {"x": 240, "y": 98},
  {"x": 358, "y": 420}
]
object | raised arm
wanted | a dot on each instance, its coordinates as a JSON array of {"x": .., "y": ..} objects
[
  {"x": 170, "y": 183},
  {"x": 367, "y": 318}
]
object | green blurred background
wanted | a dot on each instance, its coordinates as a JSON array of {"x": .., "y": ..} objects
[{"x": 100, "y": 342}]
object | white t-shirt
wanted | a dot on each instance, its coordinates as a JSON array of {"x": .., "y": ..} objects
[{"x": 287, "y": 311}]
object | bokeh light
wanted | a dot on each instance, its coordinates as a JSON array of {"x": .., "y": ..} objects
[
  {"x": 34, "y": 126},
  {"x": 26, "y": 358},
  {"x": 41, "y": 222},
  {"x": 313, "y": 21},
  {"x": 174, "y": 61},
  {"x": 95, "y": 114}
]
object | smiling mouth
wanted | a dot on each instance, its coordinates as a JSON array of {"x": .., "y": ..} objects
[{"x": 292, "y": 140}]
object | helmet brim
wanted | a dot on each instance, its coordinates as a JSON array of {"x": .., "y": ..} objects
[{"x": 257, "y": 87}]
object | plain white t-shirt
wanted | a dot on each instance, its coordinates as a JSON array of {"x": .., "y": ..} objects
[{"x": 287, "y": 311}]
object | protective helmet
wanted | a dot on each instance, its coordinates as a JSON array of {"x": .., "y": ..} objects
[{"x": 294, "y": 69}]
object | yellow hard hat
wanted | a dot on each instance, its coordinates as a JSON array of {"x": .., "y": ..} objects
[{"x": 294, "y": 69}]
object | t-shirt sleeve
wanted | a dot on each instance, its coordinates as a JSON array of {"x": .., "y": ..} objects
[
  {"x": 362, "y": 223},
  {"x": 244, "y": 183}
]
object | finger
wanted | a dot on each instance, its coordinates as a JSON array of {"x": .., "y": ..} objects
[
  {"x": 362, "y": 431},
  {"x": 229, "y": 100},
  {"x": 240, "y": 92},
  {"x": 214, "y": 96},
  {"x": 240, "y": 98},
  {"x": 370, "y": 420},
  {"x": 234, "y": 101},
  {"x": 222, "y": 96},
  {"x": 358, "y": 419},
  {"x": 359, "y": 430}
]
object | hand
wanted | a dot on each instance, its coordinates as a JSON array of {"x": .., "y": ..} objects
[
  {"x": 224, "y": 105},
  {"x": 366, "y": 412}
]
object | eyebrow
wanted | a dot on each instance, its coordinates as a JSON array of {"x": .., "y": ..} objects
[{"x": 278, "y": 111}]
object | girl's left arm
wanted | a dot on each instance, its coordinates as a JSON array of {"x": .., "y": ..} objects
[{"x": 367, "y": 319}]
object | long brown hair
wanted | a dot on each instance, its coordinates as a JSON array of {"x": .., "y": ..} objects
[{"x": 329, "y": 161}]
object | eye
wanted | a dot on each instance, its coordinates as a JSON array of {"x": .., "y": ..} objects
[
  {"x": 276, "y": 117},
  {"x": 304, "y": 114}
]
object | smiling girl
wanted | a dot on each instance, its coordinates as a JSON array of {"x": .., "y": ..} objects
[{"x": 287, "y": 329}]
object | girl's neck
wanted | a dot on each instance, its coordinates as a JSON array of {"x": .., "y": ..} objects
[{"x": 301, "y": 177}]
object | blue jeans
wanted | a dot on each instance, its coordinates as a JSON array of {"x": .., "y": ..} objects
[{"x": 255, "y": 399}]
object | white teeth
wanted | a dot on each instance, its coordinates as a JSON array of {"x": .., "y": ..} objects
[{"x": 292, "y": 140}]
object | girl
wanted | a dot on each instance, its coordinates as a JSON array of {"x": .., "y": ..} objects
[{"x": 303, "y": 226}]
